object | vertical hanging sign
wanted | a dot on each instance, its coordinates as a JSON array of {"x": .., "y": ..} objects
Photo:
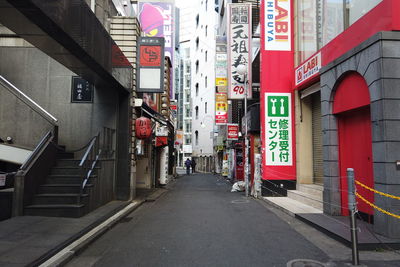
[
  {"x": 239, "y": 49},
  {"x": 277, "y": 25},
  {"x": 221, "y": 108},
  {"x": 278, "y": 129},
  {"x": 150, "y": 64}
]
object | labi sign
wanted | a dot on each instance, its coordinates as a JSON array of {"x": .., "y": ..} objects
[
  {"x": 277, "y": 25},
  {"x": 278, "y": 134}
]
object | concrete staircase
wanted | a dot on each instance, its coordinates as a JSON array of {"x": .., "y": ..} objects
[
  {"x": 307, "y": 199},
  {"x": 309, "y": 194},
  {"x": 60, "y": 196}
]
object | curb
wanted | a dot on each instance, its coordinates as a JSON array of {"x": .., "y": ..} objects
[{"x": 80, "y": 243}]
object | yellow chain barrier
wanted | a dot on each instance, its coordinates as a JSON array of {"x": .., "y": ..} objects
[
  {"x": 377, "y": 208},
  {"x": 377, "y": 192}
]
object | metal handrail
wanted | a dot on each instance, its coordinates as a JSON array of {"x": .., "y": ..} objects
[
  {"x": 27, "y": 100},
  {"x": 96, "y": 147},
  {"x": 36, "y": 151}
]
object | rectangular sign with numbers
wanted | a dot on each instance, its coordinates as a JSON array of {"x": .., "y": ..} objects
[
  {"x": 239, "y": 49},
  {"x": 278, "y": 129}
]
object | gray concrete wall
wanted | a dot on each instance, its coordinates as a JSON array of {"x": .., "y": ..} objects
[
  {"x": 49, "y": 84},
  {"x": 378, "y": 61}
]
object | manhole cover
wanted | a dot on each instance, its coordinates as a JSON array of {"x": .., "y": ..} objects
[{"x": 305, "y": 263}]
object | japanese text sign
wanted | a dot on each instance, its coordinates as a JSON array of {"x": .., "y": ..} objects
[
  {"x": 150, "y": 74},
  {"x": 233, "y": 131},
  {"x": 221, "y": 108},
  {"x": 82, "y": 90},
  {"x": 239, "y": 49},
  {"x": 278, "y": 129},
  {"x": 277, "y": 20}
]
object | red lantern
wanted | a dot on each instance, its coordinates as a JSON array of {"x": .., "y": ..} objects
[{"x": 143, "y": 128}]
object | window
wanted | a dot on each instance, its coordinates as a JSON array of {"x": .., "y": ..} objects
[
  {"x": 205, "y": 82},
  {"x": 320, "y": 21},
  {"x": 197, "y": 20},
  {"x": 206, "y": 4},
  {"x": 197, "y": 43},
  {"x": 196, "y": 134},
  {"x": 197, "y": 89},
  {"x": 197, "y": 66},
  {"x": 206, "y": 29},
  {"x": 197, "y": 112},
  {"x": 205, "y": 107},
  {"x": 205, "y": 55}
]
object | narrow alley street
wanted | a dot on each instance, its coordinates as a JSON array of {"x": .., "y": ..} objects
[{"x": 199, "y": 222}]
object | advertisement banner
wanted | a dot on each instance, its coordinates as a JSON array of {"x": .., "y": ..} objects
[
  {"x": 278, "y": 129},
  {"x": 221, "y": 72},
  {"x": 179, "y": 137},
  {"x": 278, "y": 26},
  {"x": 157, "y": 20},
  {"x": 239, "y": 49},
  {"x": 232, "y": 131},
  {"x": 308, "y": 69},
  {"x": 221, "y": 108}
]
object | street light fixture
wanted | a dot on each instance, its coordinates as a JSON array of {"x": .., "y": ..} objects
[{"x": 242, "y": 70}]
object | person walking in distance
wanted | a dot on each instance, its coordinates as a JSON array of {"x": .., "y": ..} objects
[
  {"x": 193, "y": 166},
  {"x": 188, "y": 163}
]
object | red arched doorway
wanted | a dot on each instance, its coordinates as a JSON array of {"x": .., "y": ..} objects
[{"x": 352, "y": 107}]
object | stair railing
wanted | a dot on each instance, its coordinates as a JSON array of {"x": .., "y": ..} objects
[
  {"x": 89, "y": 161},
  {"x": 100, "y": 145},
  {"x": 32, "y": 105},
  {"x": 32, "y": 172}
]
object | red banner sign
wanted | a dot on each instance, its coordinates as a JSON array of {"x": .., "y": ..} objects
[{"x": 233, "y": 131}]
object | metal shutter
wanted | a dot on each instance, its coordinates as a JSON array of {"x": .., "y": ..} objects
[{"x": 318, "y": 168}]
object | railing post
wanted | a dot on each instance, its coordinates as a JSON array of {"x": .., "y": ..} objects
[
  {"x": 18, "y": 196},
  {"x": 352, "y": 210}
]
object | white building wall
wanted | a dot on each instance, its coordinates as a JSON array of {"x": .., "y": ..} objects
[{"x": 203, "y": 74}]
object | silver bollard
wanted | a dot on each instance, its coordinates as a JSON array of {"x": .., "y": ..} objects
[{"x": 352, "y": 210}]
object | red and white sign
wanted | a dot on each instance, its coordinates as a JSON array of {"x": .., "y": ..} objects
[
  {"x": 233, "y": 131},
  {"x": 308, "y": 69},
  {"x": 277, "y": 25},
  {"x": 239, "y": 49},
  {"x": 174, "y": 107},
  {"x": 276, "y": 77},
  {"x": 221, "y": 108}
]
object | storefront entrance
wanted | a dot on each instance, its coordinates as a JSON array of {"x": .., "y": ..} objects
[
  {"x": 356, "y": 152},
  {"x": 352, "y": 110}
]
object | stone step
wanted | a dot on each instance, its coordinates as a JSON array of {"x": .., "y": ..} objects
[
  {"x": 67, "y": 163},
  {"x": 62, "y": 188},
  {"x": 66, "y": 179},
  {"x": 312, "y": 189},
  {"x": 291, "y": 206},
  {"x": 60, "y": 199},
  {"x": 56, "y": 210},
  {"x": 69, "y": 170},
  {"x": 305, "y": 198}
]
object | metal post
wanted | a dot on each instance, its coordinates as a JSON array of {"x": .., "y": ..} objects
[
  {"x": 246, "y": 140},
  {"x": 352, "y": 210}
]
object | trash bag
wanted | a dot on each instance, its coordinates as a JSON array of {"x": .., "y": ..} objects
[{"x": 239, "y": 186}]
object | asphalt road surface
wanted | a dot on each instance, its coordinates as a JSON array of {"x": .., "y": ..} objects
[{"x": 199, "y": 222}]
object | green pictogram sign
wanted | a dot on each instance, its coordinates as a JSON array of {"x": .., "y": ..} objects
[
  {"x": 278, "y": 106},
  {"x": 278, "y": 130}
]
